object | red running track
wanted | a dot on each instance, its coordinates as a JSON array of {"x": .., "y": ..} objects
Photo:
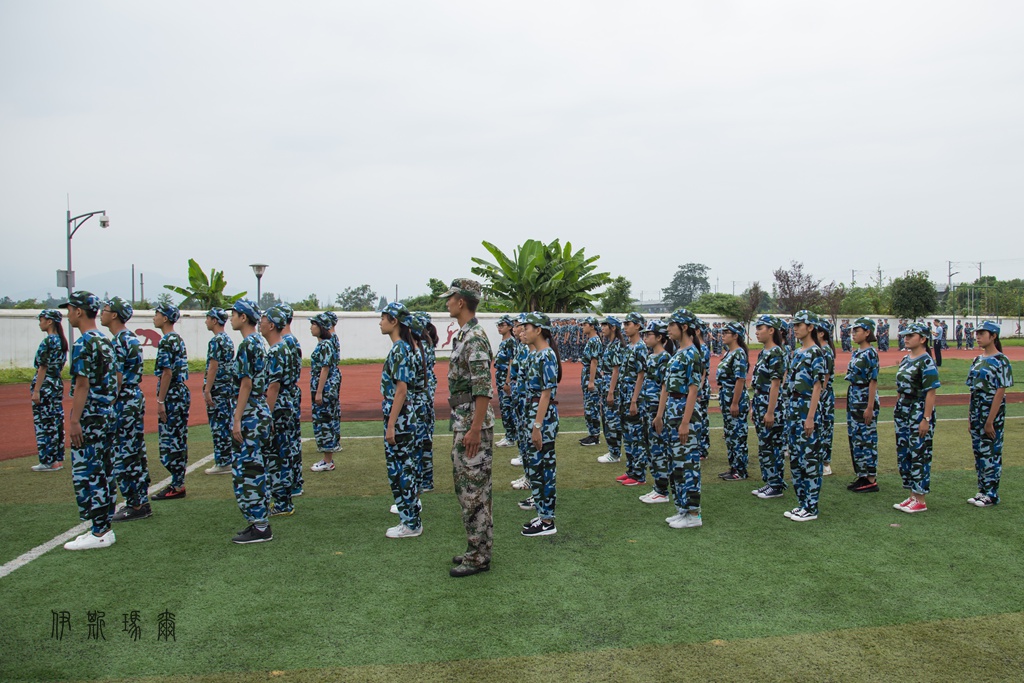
[{"x": 360, "y": 397}]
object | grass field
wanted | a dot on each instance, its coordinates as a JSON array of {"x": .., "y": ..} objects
[{"x": 863, "y": 593}]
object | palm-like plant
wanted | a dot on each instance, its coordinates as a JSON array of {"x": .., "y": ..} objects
[
  {"x": 205, "y": 291},
  {"x": 542, "y": 277}
]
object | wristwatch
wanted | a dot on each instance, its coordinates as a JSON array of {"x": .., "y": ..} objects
[{"x": 536, "y": 425}]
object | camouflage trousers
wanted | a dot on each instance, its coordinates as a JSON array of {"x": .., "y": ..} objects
[
  {"x": 400, "y": 460},
  {"x": 508, "y": 413},
  {"x": 828, "y": 424},
  {"x": 771, "y": 442},
  {"x": 634, "y": 442},
  {"x": 473, "y": 487},
  {"x": 539, "y": 463},
  {"x": 48, "y": 419},
  {"x": 424, "y": 451},
  {"x": 327, "y": 418},
  {"x": 913, "y": 452},
  {"x": 173, "y": 434},
  {"x": 847, "y": 345},
  {"x": 660, "y": 455},
  {"x": 131, "y": 468},
  {"x": 703, "y": 404},
  {"x": 220, "y": 416},
  {"x": 883, "y": 344},
  {"x": 522, "y": 426},
  {"x": 685, "y": 460},
  {"x": 988, "y": 453},
  {"x": 804, "y": 453},
  {"x": 863, "y": 437},
  {"x": 296, "y": 440},
  {"x": 248, "y": 464},
  {"x": 735, "y": 430},
  {"x": 969, "y": 342},
  {"x": 277, "y": 462},
  {"x": 611, "y": 421},
  {"x": 592, "y": 410},
  {"x": 92, "y": 471}
]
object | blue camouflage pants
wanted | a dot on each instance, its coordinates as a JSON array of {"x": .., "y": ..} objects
[
  {"x": 220, "y": 415},
  {"x": 660, "y": 454},
  {"x": 522, "y": 426},
  {"x": 48, "y": 419},
  {"x": 327, "y": 415},
  {"x": 913, "y": 452},
  {"x": 735, "y": 430},
  {"x": 591, "y": 407},
  {"x": 131, "y": 468},
  {"x": 828, "y": 424},
  {"x": 295, "y": 437},
  {"x": 611, "y": 421},
  {"x": 173, "y": 434},
  {"x": 638, "y": 458},
  {"x": 278, "y": 460},
  {"x": 703, "y": 404},
  {"x": 771, "y": 441},
  {"x": 92, "y": 471},
  {"x": 685, "y": 457},
  {"x": 863, "y": 437},
  {"x": 539, "y": 463},
  {"x": 424, "y": 451},
  {"x": 248, "y": 464},
  {"x": 804, "y": 453},
  {"x": 401, "y": 465},
  {"x": 508, "y": 413},
  {"x": 988, "y": 453}
]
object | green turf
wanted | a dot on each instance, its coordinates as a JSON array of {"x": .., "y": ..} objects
[{"x": 331, "y": 592}]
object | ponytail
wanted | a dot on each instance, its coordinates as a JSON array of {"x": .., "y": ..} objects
[
  {"x": 546, "y": 334},
  {"x": 64, "y": 340},
  {"x": 777, "y": 337},
  {"x": 743, "y": 344},
  {"x": 999, "y": 344}
]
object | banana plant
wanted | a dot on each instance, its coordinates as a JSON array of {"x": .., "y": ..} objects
[{"x": 205, "y": 291}]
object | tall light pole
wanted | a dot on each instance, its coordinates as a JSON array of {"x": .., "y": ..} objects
[
  {"x": 66, "y": 278},
  {"x": 259, "y": 269}
]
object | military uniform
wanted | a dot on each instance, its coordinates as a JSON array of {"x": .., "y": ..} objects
[
  {"x": 502, "y": 361},
  {"x": 634, "y": 362},
  {"x": 131, "y": 468},
  {"x": 424, "y": 451},
  {"x": 611, "y": 416},
  {"x": 592, "y": 401},
  {"x": 327, "y": 413},
  {"x": 883, "y": 335},
  {"x": 987, "y": 375},
  {"x": 222, "y": 391},
  {"x": 959, "y": 335},
  {"x": 517, "y": 371},
  {"x": 807, "y": 368},
  {"x": 294, "y": 426},
  {"x": 914, "y": 379},
  {"x": 731, "y": 369},
  {"x": 173, "y": 434},
  {"x": 655, "y": 368},
  {"x": 969, "y": 335},
  {"x": 539, "y": 463},
  {"x": 845, "y": 336},
  {"x": 704, "y": 398},
  {"x": 770, "y": 366},
  {"x": 249, "y": 470},
  {"x": 48, "y": 414},
  {"x": 685, "y": 369},
  {"x": 863, "y": 437},
  {"x": 828, "y": 405},
  {"x": 282, "y": 370}
]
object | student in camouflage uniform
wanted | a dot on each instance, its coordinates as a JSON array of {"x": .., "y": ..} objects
[
  {"x": 472, "y": 424},
  {"x": 862, "y": 408},
  {"x": 806, "y": 383},
  {"x": 608, "y": 378},
  {"x": 883, "y": 335},
  {"x": 426, "y": 336},
  {"x": 846, "y": 335},
  {"x": 219, "y": 390},
  {"x": 678, "y": 421},
  {"x": 251, "y": 426},
  {"x": 282, "y": 385},
  {"x": 542, "y": 377},
  {"x": 917, "y": 380},
  {"x": 989, "y": 378},
  {"x": 294, "y": 419},
  {"x": 502, "y": 360},
  {"x": 91, "y": 423},
  {"x": 823, "y": 336},
  {"x": 517, "y": 377},
  {"x": 732, "y": 395},
  {"x": 47, "y": 391},
  {"x": 959, "y": 334},
  {"x": 590, "y": 356},
  {"x": 325, "y": 388},
  {"x": 173, "y": 401},
  {"x": 631, "y": 380},
  {"x": 768, "y": 407},
  {"x": 704, "y": 393},
  {"x": 131, "y": 469},
  {"x": 655, "y": 367},
  {"x": 901, "y": 327},
  {"x": 969, "y": 335}
]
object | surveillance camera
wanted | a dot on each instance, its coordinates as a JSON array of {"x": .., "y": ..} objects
[{"x": 104, "y": 221}]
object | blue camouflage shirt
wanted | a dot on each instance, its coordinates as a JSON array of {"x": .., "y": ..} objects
[{"x": 251, "y": 362}]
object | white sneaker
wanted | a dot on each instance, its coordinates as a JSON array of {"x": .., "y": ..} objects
[
  {"x": 608, "y": 457},
  {"x": 789, "y": 513},
  {"x": 826, "y": 471},
  {"x": 673, "y": 517},
  {"x": 521, "y": 484},
  {"x": 504, "y": 443},
  {"x": 323, "y": 466},
  {"x": 88, "y": 541},
  {"x": 802, "y": 516},
  {"x": 394, "y": 509},
  {"x": 402, "y": 531},
  {"x": 517, "y": 462},
  {"x": 686, "y": 521},
  {"x": 53, "y": 467},
  {"x": 653, "y": 497},
  {"x": 218, "y": 469}
]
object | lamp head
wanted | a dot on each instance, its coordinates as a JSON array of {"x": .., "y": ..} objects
[
  {"x": 259, "y": 269},
  {"x": 104, "y": 220}
]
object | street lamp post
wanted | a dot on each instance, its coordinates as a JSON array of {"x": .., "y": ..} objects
[
  {"x": 66, "y": 278},
  {"x": 259, "y": 269}
]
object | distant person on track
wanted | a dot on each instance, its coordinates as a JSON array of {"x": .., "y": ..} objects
[
  {"x": 219, "y": 390},
  {"x": 47, "y": 391},
  {"x": 917, "y": 380},
  {"x": 862, "y": 408},
  {"x": 325, "y": 388},
  {"x": 173, "y": 401},
  {"x": 938, "y": 341},
  {"x": 990, "y": 376}
]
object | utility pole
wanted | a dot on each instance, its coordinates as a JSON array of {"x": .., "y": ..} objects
[
  {"x": 142, "y": 286},
  {"x": 853, "y": 278},
  {"x": 949, "y": 287},
  {"x": 133, "y": 284},
  {"x": 879, "y": 276}
]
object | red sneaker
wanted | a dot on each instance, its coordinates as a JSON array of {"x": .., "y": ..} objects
[
  {"x": 632, "y": 482},
  {"x": 914, "y": 506},
  {"x": 622, "y": 477}
]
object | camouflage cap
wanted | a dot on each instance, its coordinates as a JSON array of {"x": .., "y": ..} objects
[
  {"x": 681, "y": 316},
  {"x": 218, "y": 314},
  {"x": 656, "y": 327},
  {"x": 915, "y": 328},
  {"x": 471, "y": 289},
  {"x": 399, "y": 312},
  {"x": 863, "y": 323},
  {"x": 423, "y": 318},
  {"x": 506, "y": 320},
  {"x": 538, "y": 319},
  {"x": 521, "y": 318},
  {"x": 612, "y": 321},
  {"x": 701, "y": 325},
  {"x": 289, "y": 314},
  {"x": 785, "y": 325},
  {"x": 248, "y": 308},
  {"x": 277, "y": 317},
  {"x": 321, "y": 320},
  {"x": 331, "y": 317},
  {"x": 988, "y": 326},
  {"x": 589, "y": 320},
  {"x": 635, "y": 318},
  {"x": 87, "y": 301},
  {"x": 169, "y": 311},
  {"x": 805, "y": 317},
  {"x": 766, "y": 320},
  {"x": 736, "y": 328},
  {"x": 52, "y": 314},
  {"x": 826, "y": 325},
  {"x": 121, "y": 308}
]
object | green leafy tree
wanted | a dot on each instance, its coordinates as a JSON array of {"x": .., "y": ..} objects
[
  {"x": 688, "y": 284},
  {"x": 164, "y": 299},
  {"x": 617, "y": 298},
  {"x": 914, "y": 295},
  {"x": 541, "y": 277},
  {"x": 267, "y": 300},
  {"x": 27, "y": 304},
  {"x": 432, "y": 301},
  {"x": 361, "y": 298},
  {"x": 857, "y": 302},
  {"x": 728, "y": 305},
  {"x": 206, "y": 291},
  {"x": 310, "y": 303},
  {"x": 8, "y": 302}
]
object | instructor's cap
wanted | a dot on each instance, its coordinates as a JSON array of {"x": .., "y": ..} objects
[
  {"x": 121, "y": 308},
  {"x": 471, "y": 289},
  {"x": 87, "y": 301}
]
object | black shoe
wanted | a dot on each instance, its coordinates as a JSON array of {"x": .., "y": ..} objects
[
  {"x": 169, "y": 493},
  {"x": 855, "y": 483},
  {"x": 732, "y": 475},
  {"x": 458, "y": 559},
  {"x": 468, "y": 570},
  {"x": 251, "y": 534},
  {"x": 540, "y": 527},
  {"x": 590, "y": 441},
  {"x": 526, "y": 504},
  {"x": 866, "y": 486},
  {"x": 128, "y": 514}
]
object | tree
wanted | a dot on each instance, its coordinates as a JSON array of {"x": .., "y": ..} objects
[
  {"x": 165, "y": 299},
  {"x": 430, "y": 302},
  {"x": 751, "y": 302},
  {"x": 727, "y": 305},
  {"x": 207, "y": 292},
  {"x": 796, "y": 290},
  {"x": 361, "y": 298},
  {"x": 913, "y": 296},
  {"x": 617, "y": 298},
  {"x": 857, "y": 302},
  {"x": 689, "y": 283},
  {"x": 541, "y": 277},
  {"x": 27, "y": 304},
  {"x": 267, "y": 300},
  {"x": 310, "y": 303},
  {"x": 7, "y": 302},
  {"x": 832, "y": 296}
]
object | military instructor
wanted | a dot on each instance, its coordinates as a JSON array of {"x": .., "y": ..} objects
[{"x": 472, "y": 425}]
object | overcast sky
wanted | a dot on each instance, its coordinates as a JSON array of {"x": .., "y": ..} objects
[{"x": 379, "y": 142}]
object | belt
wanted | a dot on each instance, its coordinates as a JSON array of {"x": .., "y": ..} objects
[
  {"x": 858, "y": 384},
  {"x": 536, "y": 399},
  {"x": 676, "y": 394},
  {"x": 459, "y": 399}
]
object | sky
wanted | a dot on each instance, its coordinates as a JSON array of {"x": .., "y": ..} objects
[{"x": 374, "y": 142}]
